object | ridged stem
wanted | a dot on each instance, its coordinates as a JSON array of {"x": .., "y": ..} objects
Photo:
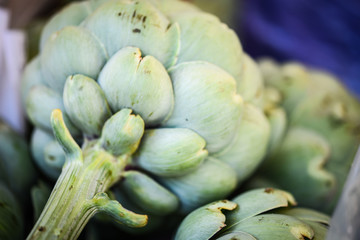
[{"x": 79, "y": 191}]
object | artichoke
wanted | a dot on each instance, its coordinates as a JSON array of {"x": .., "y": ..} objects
[
  {"x": 262, "y": 214},
  {"x": 315, "y": 139},
  {"x": 17, "y": 171},
  {"x": 158, "y": 94},
  {"x": 17, "y": 174}
]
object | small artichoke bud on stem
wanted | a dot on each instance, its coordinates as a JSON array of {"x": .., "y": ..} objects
[{"x": 80, "y": 189}]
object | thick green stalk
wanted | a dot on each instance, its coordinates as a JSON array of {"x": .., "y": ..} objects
[{"x": 79, "y": 191}]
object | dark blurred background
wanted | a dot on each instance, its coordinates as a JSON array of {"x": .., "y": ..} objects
[{"x": 324, "y": 33}]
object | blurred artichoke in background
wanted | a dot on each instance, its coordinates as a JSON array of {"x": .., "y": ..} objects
[
  {"x": 318, "y": 137},
  {"x": 158, "y": 94},
  {"x": 262, "y": 214},
  {"x": 17, "y": 174}
]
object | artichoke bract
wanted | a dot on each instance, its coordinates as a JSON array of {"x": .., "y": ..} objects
[
  {"x": 262, "y": 214},
  {"x": 157, "y": 93},
  {"x": 315, "y": 138}
]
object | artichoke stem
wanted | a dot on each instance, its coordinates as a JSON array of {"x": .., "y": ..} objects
[{"x": 79, "y": 192}]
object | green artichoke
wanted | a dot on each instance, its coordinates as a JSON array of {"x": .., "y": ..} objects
[
  {"x": 17, "y": 174},
  {"x": 17, "y": 171},
  {"x": 315, "y": 142},
  {"x": 261, "y": 214},
  {"x": 157, "y": 93}
]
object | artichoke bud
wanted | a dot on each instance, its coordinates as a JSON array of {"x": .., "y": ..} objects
[
  {"x": 122, "y": 133},
  {"x": 206, "y": 102},
  {"x": 211, "y": 181},
  {"x": 249, "y": 146},
  {"x": 40, "y": 103},
  {"x": 85, "y": 104},
  {"x": 170, "y": 152},
  {"x": 148, "y": 194},
  {"x": 141, "y": 83},
  {"x": 54, "y": 155},
  {"x": 40, "y": 139},
  {"x": 76, "y": 51}
]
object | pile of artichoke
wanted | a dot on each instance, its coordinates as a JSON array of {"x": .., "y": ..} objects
[{"x": 146, "y": 110}]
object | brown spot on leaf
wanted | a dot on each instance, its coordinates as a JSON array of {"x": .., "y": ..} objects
[
  {"x": 119, "y": 14},
  {"x": 136, "y": 30},
  {"x": 42, "y": 229},
  {"x": 269, "y": 190}
]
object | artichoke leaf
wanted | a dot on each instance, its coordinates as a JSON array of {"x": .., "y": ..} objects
[
  {"x": 251, "y": 86},
  {"x": 85, "y": 104},
  {"x": 141, "y": 83},
  {"x": 278, "y": 125},
  {"x": 213, "y": 180},
  {"x": 249, "y": 146},
  {"x": 274, "y": 226},
  {"x": 54, "y": 155},
  {"x": 122, "y": 132},
  {"x": 40, "y": 139},
  {"x": 11, "y": 216},
  {"x": 171, "y": 152},
  {"x": 255, "y": 202},
  {"x": 71, "y": 15},
  {"x": 204, "y": 222},
  {"x": 72, "y": 50},
  {"x": 148, "y": 194},
  {"x": 237, "y": 235},
  {"x": 206, "y": 102},
  {"x": 39, "y": 195},
  {"x": 174, "y": 7},
  {"x": 40, "y": 103},
  {"x": 202, "y": 39},
  {"x": 138, "y": 24},
  {"x": 312, "y": 152},
  {"x": 320, "y": 230},
  {"x": 306, "y": 215},
  {"x": 31, "y": 77}
]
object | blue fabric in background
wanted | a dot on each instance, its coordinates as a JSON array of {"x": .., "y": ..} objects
[{"x": 320, "y": 33}]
